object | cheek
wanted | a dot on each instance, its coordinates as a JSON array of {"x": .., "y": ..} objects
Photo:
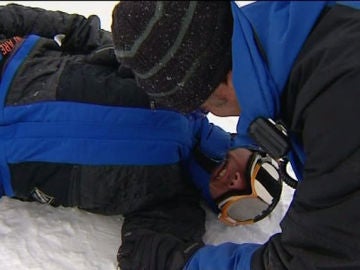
[
  {"x": 216, "y": 189},
  {"x": 236, "y": 108},
  {"x": 213, "y": 107},
  {"x": 216, "y": 103}
]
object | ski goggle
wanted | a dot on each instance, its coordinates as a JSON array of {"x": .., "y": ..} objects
[{"x": 266, "y": 186}]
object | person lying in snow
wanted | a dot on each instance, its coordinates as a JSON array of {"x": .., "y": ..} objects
[
  {"x": 68, "y": 139},
  {"x": 78, "y": 132}
]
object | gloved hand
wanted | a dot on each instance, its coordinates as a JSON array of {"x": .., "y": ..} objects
[
  {"x": 149, "y": 250},
  {"x": 87, "y": 36},
  {"x": 213, "y": 141}
]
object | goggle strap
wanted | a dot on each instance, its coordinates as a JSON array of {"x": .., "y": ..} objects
[
  {"x": 266, "y": 179},
  {"x": 250, "y": 167},
  {"x": 263, "y": 193}
]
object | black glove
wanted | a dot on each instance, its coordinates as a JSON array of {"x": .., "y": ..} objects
[
  {"x": 86, "y": 37},
  {"x": 149, "y": 250}
]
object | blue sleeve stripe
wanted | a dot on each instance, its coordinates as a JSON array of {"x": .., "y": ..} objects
[{"x": 76, "y": 121}]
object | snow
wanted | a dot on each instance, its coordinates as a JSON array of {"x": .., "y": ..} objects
[{"x": 36, "y": 237}]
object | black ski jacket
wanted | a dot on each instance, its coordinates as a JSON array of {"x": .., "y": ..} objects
[{"x": 320, "y": 105}]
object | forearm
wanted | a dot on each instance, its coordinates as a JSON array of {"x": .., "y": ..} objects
[
  {"x": 181, "y": 216},
  {"x": 22, "y": 20},
  {"x": 82, "y": 35},
  {"x": 163, "y": 236},
  {"x": 320, "y": 230}
]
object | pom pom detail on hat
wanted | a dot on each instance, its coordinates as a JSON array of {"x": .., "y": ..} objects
[{"x": 179, "y": 51}]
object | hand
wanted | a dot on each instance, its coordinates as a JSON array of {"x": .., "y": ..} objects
[
  {"x": 148, "y": 250},
  {"x": 86, "y": 37}
]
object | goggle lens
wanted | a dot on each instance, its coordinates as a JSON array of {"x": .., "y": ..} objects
[{"x": 246, "y": 209}]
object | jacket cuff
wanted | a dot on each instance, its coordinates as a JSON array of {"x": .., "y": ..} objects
[{"x": 224, "y": 256}]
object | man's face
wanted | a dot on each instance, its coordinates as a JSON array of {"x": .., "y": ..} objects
[
  {"x": 223, "y": 101},
  {"x": 231, "y": 175}
]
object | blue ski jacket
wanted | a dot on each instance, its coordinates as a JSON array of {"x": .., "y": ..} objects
[{"x": 83, "y": 133}]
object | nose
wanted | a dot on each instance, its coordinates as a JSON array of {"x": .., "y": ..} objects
[
  {"x": 236, "y": 181},
  {"x": 227, "y": 180}
]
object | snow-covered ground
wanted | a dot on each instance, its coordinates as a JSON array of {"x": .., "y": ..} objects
[{"x": 37, "y": 237}]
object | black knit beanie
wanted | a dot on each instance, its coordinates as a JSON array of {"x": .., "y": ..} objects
[{"x": 180, "y": 51}]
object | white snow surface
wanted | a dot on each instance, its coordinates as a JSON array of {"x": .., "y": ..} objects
[{"x": 36, "y": 236}]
